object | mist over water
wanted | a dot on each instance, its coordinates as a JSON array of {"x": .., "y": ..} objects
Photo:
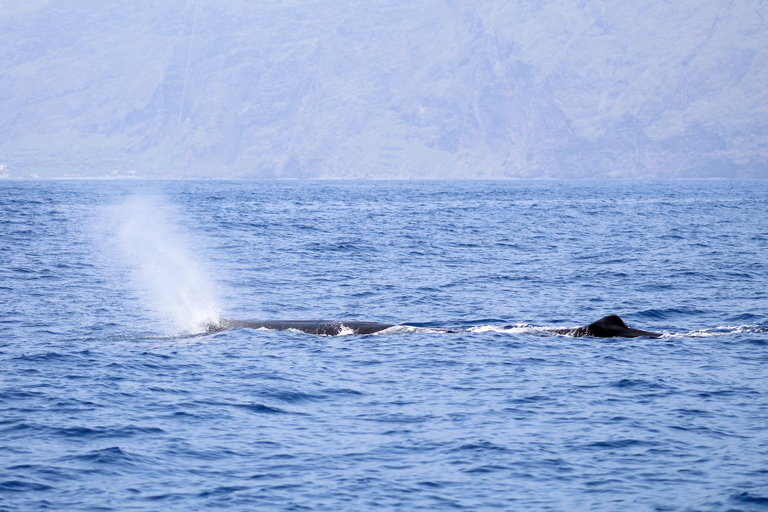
[{"x": 173, "y": 282}]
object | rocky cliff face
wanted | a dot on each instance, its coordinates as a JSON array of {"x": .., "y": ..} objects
[{"x": 443, "y": 88}]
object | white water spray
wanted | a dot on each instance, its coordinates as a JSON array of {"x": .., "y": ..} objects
[{"x": 164, "y": 270}]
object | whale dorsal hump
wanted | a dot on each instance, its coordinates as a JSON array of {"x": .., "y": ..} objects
[
  {"x": 612, "y": 320},
  {"x": 613, "y": 326},
  {"x": 608, "y": 326}
]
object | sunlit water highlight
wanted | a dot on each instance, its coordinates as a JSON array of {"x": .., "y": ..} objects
[{"x": 111, "y": 399}]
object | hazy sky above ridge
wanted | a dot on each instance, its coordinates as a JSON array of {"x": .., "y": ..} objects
[{"x": 384, "y": 89}]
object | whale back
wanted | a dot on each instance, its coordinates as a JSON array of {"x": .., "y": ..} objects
[
  {"x": 613, "y": 326},
  {"x": 318, "y": 327}
]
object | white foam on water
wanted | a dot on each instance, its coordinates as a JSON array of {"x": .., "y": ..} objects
[
  {"x": 511, "y": 329},
  {"x": 722, "y": 330},
  {"x": 409, "y": 329},
  {"x": 345, "y": 331},
  {"x": 165, "y": 272}
]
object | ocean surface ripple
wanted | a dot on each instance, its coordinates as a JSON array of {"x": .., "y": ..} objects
[{"x": 114, "y": 398}]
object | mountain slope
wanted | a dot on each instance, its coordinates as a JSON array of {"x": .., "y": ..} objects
[{"x": 449, "y": 88}]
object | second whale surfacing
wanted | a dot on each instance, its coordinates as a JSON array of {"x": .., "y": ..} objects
[{"x": 611, "y": 326}]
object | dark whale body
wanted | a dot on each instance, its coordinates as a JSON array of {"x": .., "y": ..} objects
[
  {"x": 610, "y": 326},
  {"x": 319, "y": 327}
]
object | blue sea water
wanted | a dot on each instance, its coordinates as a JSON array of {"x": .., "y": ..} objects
[{"x": 112, "y": 397}]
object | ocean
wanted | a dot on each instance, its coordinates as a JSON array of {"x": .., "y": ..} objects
[{"x": 113, "y": 397}]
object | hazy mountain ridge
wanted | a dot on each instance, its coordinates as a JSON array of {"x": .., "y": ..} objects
[{"x": 385, "y": 89}]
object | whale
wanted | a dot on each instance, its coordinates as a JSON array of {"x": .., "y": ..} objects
[
  {"x": 611, "y": 326},
  {"x": 318, "y": 327}
]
